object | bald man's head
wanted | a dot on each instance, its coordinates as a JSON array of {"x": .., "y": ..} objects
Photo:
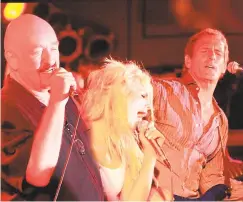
[
  {"x": 31, "y": 48},
  {"x": 20, "y": 31}
]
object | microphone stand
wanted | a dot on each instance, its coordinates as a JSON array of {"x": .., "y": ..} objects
[{"x": 233, "y": 89}]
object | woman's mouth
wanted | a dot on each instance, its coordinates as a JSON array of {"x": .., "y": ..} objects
[{"x": 141, "y": 114}]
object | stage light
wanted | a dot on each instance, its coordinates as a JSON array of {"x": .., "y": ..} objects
[
  {"x": 71, "y": 44},
  {"x": 98, "y": 47},
  {"x": 13, "y": 10}
]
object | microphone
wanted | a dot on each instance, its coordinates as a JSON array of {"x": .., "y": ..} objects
[
  {"x": 153, "y": 142},
  {"x": 74, "y": 94},
  {"x": 235, "y": 68}
]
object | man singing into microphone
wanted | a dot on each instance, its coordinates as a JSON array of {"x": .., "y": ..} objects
[
  {"x": 38, "y": 120},
  {"x": 194, "y": 126}
]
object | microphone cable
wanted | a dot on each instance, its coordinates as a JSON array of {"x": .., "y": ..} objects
[{"x": 73, "y": 96}]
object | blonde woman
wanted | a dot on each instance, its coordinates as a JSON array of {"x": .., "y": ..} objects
[{"x": 118, "y": 97}]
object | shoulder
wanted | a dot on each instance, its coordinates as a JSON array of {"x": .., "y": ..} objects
[
  {"x": 11, "y": 116},
  {"x": 168, "y": 82},
  {"x": 16, "y": 134},
  {"x": 167, "y": 87}
]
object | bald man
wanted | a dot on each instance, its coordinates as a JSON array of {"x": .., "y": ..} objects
[{"x": 38, "y": 120}]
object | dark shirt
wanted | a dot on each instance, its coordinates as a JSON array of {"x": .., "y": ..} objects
[{"x": 20, "y": 115}]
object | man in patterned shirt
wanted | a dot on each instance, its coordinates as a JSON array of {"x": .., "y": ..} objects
[{"x": 195, "y": 128}]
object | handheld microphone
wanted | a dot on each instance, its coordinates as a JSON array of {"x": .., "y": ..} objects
[
  {"x": 160, "y": 152},
  {"x": 74, "y": 94},
  {"x": 154, "y": 143},
  {"x": 235, "y": 68}
]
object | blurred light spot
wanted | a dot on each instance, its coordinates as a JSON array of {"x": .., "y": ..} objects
[{"x": 13, "y": 10}]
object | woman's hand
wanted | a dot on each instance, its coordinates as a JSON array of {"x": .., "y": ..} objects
[
  {"x": 155, "y": 134},
  {"x": 147, "y": 132}
]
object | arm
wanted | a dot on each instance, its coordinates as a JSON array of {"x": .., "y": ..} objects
[
  {"x": 16, "y": 137},
  {"x": 213, "y": 173},
  {"x": 48, "y": 136},
  {"x": 160, "y": 195},
  {"x": 138, "y": 189},
  {"x": 16, "y": 140},
  {"x": 234, "y": 166},
  {"x": 46, "y": 146},
  {"x": 142, "y": 189}
]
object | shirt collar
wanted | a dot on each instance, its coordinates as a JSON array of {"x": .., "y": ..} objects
[
  {"x": 191, "y": 84},
  {"x": 187, "y": 79}
]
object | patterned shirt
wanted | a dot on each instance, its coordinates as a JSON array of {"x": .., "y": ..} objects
[{"x": 194, "y": 150}]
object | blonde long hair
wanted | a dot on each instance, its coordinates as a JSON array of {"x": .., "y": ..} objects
[{"x": 107, "y": 97}]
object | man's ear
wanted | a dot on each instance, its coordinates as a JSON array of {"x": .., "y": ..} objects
[
  {"x": 187, "y": 61},
  {"x": 11, "y": 60}
]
